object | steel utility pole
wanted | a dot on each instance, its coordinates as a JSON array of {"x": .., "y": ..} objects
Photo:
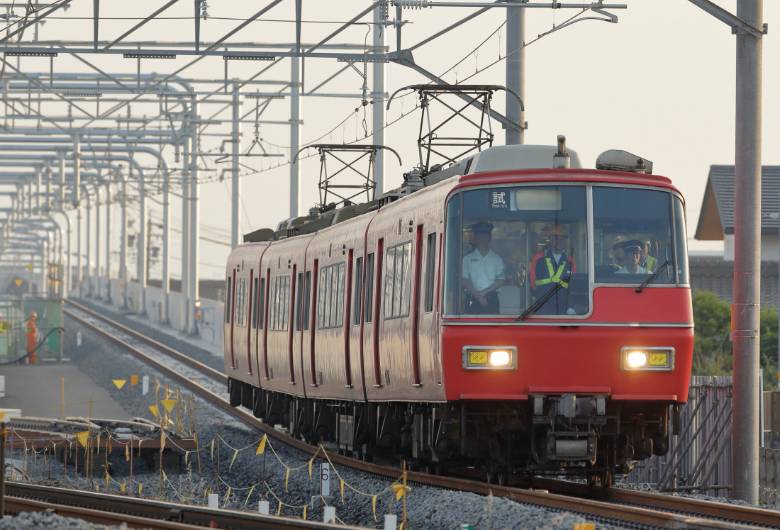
[
  {"x": 378, "y": 99},
  {"x": 749, "y": 27},
  {"x": 295, "y": 133},
  {"x": 747, "y": 256},
  {"x": 515, "y": 73},
  {"x": 235, "y": 225}
]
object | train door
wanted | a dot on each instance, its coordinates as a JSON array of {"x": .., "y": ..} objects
[
  {"x": 426, "y": 303},
  {"x": 229, "y": 308},
  {"x": 232, "y": 317},
  {"x": 250, "y": 303},
  {"x": 258, "y": 319},
  {"x": 291, "y": 327},
  {"x": 347, "y": 301},
  {"x": 415, "y": 312},
  {"x": 372, "y": 371},
  {"x": 300, "y": 321},
  {"x": 357, "y": 312}
]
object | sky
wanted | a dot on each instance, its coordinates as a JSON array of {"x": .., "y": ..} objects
[{"x": 660, "y": 83}]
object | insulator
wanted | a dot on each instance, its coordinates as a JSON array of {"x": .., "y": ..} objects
[{"x": 411, "y": 4}]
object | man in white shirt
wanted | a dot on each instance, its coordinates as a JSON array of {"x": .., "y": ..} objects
[
  {"x": 483, "y": 273},
  {"x": 632, "y": 259}
]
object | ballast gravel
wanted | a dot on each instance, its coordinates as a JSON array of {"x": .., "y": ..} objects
[
  {"x": 428, "y": 507},
  {"x": 47, "y": 521}
]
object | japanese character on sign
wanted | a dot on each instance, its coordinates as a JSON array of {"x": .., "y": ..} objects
[{"x": 498, "y": 200}]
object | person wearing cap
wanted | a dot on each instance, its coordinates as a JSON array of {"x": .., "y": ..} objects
[
  {"x": 483, "y": 272},
  {"x": 633, "y": 258},
  {"x": 555, "y": 267},
  {"x": 648, "y": 262}
]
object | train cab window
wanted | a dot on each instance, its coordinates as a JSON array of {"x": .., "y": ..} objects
[
  {"x": 680, "y": 241},
  {"x": 358, "y": 287},
  {"x": 398, "y": 280},
  {"x": 430, "y": 271},
  {"x": 369, "y": 291},
  {"x": 517, "y": 250},
  {"x": 633, "y": 236},
  {"x": 228, "y": 299}
]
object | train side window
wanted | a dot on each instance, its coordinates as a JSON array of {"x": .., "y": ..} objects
[
  {"x": 369, "y": 291},
  {"x": 306, "y": 302},
  {"x": 240, "y": 301},
  {"x": 358, "y": 287},
  {"x": 280, "y": 303},
  {"x": 255, "y": 299},
  {"x": 330, "y": 304},
  {"x": 398, "y": 280},
  {"x": 260, "y": 312},
  {"x": 299, "y": 303},
  {"x": 430, "y": 271},
  {"x": 228, "y": 299}
]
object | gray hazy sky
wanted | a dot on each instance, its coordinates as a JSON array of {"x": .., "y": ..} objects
[{"x": 660, "y": 83}]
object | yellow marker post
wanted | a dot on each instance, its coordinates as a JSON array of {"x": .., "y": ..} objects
[
  {"x": 261, "y": 446},
  {"x": 168, "y": 404},
  {"x": 154, "y": 410}
]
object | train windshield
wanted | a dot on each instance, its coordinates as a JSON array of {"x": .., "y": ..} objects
[{"x": 522, "y": 250}]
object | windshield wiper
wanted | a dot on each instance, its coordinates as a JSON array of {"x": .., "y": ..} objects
[
  {"x": 652, "y": 277},
  {"x": 533, "y": 308}
]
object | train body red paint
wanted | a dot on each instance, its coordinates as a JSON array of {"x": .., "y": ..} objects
[{"x": 354, "y": 327}]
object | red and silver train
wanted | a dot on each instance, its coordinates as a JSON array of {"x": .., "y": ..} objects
[{"x": 431, "y": 324}]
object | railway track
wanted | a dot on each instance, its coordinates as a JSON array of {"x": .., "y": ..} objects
[
  {"x": 102, "y": 508},
  {"x": 617, "y": 505}
]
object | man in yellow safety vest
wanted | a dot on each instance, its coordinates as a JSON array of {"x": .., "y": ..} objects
[{"x": 556, "y": 267}]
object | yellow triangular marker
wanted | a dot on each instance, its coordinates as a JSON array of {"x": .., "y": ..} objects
[
  {"x": 119, "y": 383},
  {"x": 154, "y": 410},
  {"x": 82, "y": 437},
  {"x": 373, "y": 506},
  {"x": 18, "y": 282},
  {"x": 133, "y": 380},
  {"x": 261, "y": 446},
  {"x": 168, "y": 404}
]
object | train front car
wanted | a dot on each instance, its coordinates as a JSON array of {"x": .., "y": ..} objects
[{"x": 567, "y": 325}]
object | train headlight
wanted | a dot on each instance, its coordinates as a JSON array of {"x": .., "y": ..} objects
[
  {"x": 489, "y": 357},
  {"x": 640, "y": 358}
]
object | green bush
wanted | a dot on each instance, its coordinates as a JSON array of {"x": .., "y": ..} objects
[{"x": 712, "y": 353}]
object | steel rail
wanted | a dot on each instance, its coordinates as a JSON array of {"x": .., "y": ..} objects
[
  {"x": 106, "y": 508},
  {"x": 613, "y": 504},
  {"x": 175, "y": 354}
]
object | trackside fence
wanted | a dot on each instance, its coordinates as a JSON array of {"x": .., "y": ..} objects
[{"x": 699, "y": 457}]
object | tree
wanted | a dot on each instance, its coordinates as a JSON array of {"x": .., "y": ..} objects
[{"x": 712, "y": 354}]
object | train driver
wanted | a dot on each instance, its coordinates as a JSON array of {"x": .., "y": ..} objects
[
  {"x": 631, "y": 264},
  {"x": 555, "y": 267},
  {"x": 483, "y": 273}
]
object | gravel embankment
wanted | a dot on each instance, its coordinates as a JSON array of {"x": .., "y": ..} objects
[
  {"x": 429, "y": 508},
  {"x": 47, "y": 521}
]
